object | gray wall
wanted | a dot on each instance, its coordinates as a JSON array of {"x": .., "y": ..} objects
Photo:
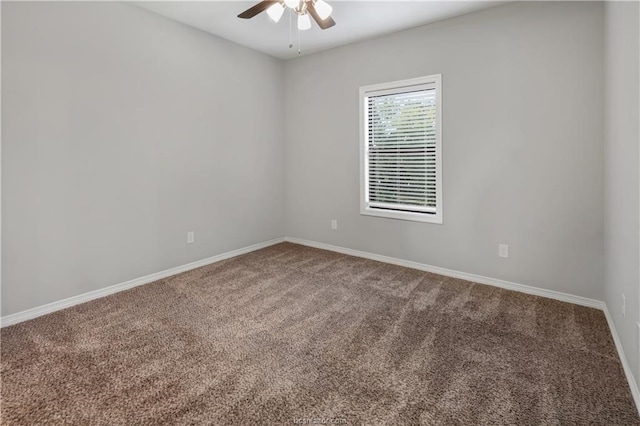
[
  {"x": 621, "y": 206},
  {"x": 522, "y": 144},
  {"x": 122, "y": 131}
]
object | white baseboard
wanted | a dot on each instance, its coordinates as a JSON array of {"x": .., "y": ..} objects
[
  {"x": 578, "y": 300},
  {"x": 633, "y": 385},
  {"x": 551, "y": 294},
  {"x": 65, "y": 303},
  {"x": 75, "y": 300}
]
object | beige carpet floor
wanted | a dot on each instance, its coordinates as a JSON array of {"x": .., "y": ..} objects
[{"x": 290, "y": 334}]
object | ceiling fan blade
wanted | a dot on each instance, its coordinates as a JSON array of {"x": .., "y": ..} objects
[
  {"x": 256, "y": 9},
  {"x": 324, "y": 24}
]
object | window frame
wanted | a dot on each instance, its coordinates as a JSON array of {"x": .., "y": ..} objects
[{"x": 398, "y": 87}]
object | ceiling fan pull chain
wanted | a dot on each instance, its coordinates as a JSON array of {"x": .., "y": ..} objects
[
  {"x": 299, "y": 45},
  {"x": 290, "y": 31}
]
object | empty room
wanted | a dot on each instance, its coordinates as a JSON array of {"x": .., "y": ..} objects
[{"x": 320, "y": 212}]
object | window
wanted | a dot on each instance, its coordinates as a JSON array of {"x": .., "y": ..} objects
[{"x": 400, "y": 149}]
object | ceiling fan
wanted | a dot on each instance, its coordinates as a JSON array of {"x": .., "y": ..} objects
[{"x": 318, "y": 9}]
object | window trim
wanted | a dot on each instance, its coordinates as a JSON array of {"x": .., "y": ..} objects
[{"x": 365, "y": 92}]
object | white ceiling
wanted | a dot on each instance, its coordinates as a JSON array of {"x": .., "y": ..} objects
[{"x": 355, "y": 20}]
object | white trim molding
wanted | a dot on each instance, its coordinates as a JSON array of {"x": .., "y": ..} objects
[
  {"x": 536, "y": 291},
  {"x": 551, "y": 294},
  {"x": 633, "y": 385},
  {"x": 86, "y": 297}
]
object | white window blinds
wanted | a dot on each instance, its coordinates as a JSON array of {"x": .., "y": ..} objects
[{"x": 402, "y": 150}]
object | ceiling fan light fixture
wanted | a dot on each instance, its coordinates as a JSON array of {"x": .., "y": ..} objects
[
  {"x": 304, "y": 9},
  {"x": 292, "y": 3},
  {"x": 304, "y": 23},
  {"x": 275, "y": 11},
  {"x": 323, "y": 8}
]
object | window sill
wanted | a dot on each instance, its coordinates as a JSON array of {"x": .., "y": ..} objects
[{"x": 413, "y": 217}]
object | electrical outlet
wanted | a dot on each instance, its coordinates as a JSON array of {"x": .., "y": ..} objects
[
  {"x": 191, "y": 237},
  {"x": 503, "y": 250},
  {"x": 334, "y": 224},
  {"x": 624, "y": 306}
]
